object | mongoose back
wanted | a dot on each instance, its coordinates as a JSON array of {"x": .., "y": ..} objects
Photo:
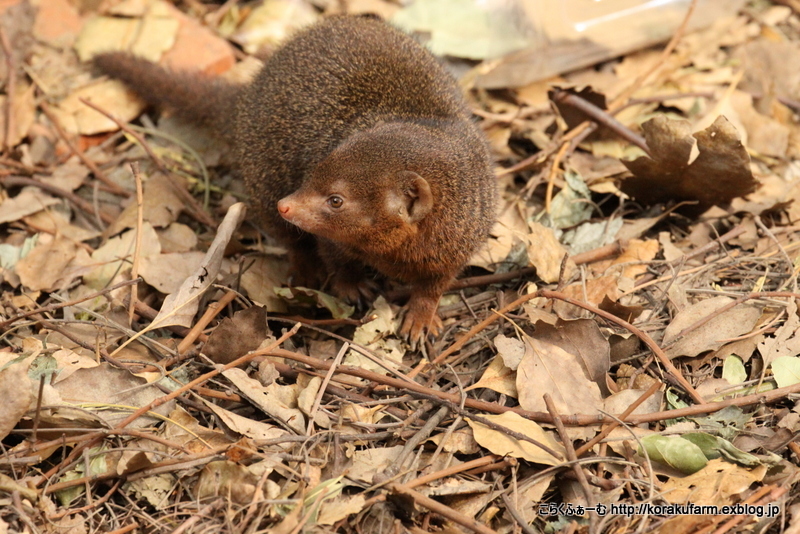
[{"x": 357, "y": 148}]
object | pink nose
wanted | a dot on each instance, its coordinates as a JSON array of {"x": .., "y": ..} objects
[{"x": 284, "y": 207}]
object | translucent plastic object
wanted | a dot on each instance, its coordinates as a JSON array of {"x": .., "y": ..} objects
[{"x": 527, "y": 40}]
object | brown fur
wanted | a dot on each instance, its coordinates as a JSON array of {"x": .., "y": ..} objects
[{"x": 354, "y": 109}]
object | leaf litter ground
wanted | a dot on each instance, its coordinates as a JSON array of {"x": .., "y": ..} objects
[{"x": 627, "y": 341}]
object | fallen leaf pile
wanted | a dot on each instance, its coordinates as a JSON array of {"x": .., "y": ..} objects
[{"x": 624, "y": 348}]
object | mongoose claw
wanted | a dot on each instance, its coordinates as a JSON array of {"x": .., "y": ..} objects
[{"x": 421, "y": 318}]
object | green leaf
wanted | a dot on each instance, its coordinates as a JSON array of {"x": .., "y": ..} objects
[
  {"x": 786, "y": 370},
  {"x": 733, "y": 370},
  {"x": 675, "y": 451},
  {"x": 715, "y": 447}
]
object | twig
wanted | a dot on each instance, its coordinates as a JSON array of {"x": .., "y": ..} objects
[
  {"x": 526, "y": 528},
  {"x": 53, "y": 307},
  {"x": 622, "y": 418},
  {"x": 601, "y": 117},
  {"x": 212, "y": 311},
  {"x": 194, "y": 208},
  {"x": 138, "y": 244},
  {"x": 551, "y": 177},
  {"x": 100, "y": 175},
  {"x": 572, "y": 458},
  {"x": 441, "y": 509},
  {"x": 161, "y": 400},
  {"x": 9, "y": 181},
  {"x": 623, "y": 97},
  {"x": 665, "y": 361},
  {"x": 318, "y": 400},
  {"x": 11, "y": 88}
]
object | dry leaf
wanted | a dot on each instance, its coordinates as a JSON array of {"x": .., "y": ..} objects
[
  {"x": 23, "y": 112},
  {"x": 583, "y": 339},
  {"x": 711, "y": 335},
  {"x": 274, "y": 400},
  {"x": 719, "y": 483},
  {"x": 110, "y": 95},
  {"x": 720, "y": 173},
  {"x": 546, "y": 254},
  {"x": 502, "y": 444},
  {"x": 177, "y": 237},
  {"x": 235, "y": 337},
  {"x": 246, "y": 426},
  {"x": 547, "y": 368},
  {"x": 637, "y": 251},
  {"x": 180, "y": 307},
  {"x": 166, "y": 272},
  {"x": 161, "y": 206},
  {"x": 498, "y": 377},
  {"x": 261, "y": 276},
  {"x": 18, "y": 393},
  {"x": 46, "y": 264},
  {"x": 114, "y": 257},
  {"x": 29, "y": 201},
  {"x": 98, "y": 388},
  {"x": 226, "y": 479}
]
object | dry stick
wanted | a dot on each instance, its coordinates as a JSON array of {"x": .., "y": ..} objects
[
  {"x": 8, "y": 181},
  {"x": 665, "y": 361},
  {"x": 441, "y": 509},
  {"x": 414, "y": 386},
  {"x": 41, "y": 445},
  {"x": 622, "y": 418},
  {"x": 526, "y": 528},
  {"x": 453, "y": 470},
  {"x": 615, "y": 105},
  {"x": 601, "y": 117},
  {"x": 196, "y": 517},
  {"x": 312, "y": 414},
  {"x": 195, "y": 209},
  {"x": 11, "y": 87},
  {"x": 644, "y": 281},
  {"x": 53, "y": 307},
  {"x": 711, "y": 407},
  {"x": 728, "y": 306},
  {"x": 414, "y": 441},
  {"x": 172, "y": 464},
  {"x": 100, "y": 175},
  {"x": 473, "y": 466},
  {"x": 597, "y": 254},
  {"x": 24, "y": 168},
  {"x": 137, "y": 249},
  {"x": 758, "y": 497},
  {"x": 94, "y": 504},
  {"x": 572, "y": 420},
  {"x": 124, "y": 530},
  {"x": 161, "y": 400},
  {"x": 572, "y": 458},
  {"x": 551, "y": 177},
  {"x": 212, "y": 311}
]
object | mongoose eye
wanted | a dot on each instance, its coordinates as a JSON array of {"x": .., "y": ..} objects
[{"x": 335, "y": 201}]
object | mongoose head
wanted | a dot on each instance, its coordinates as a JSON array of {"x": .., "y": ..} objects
[{"x": 371, "y": 192}]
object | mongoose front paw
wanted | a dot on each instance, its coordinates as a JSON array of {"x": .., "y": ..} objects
[{"x": 420, "y": 318}]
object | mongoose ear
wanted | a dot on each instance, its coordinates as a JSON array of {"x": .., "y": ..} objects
[{"x": 418, "y": 197}]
